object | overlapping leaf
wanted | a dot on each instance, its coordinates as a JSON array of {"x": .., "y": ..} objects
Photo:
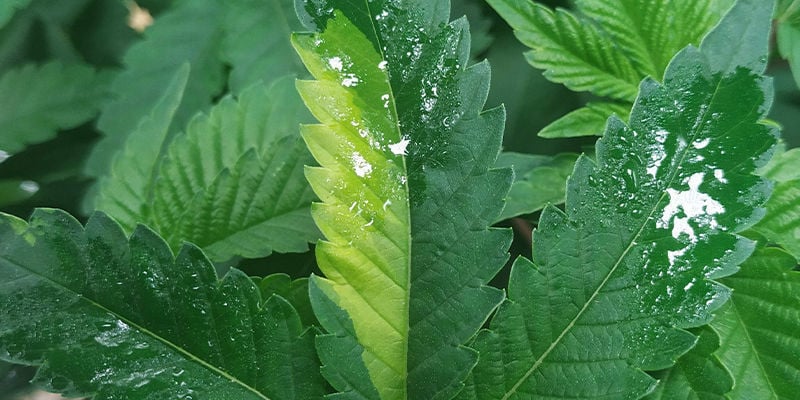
[
  {"x": 256, "y": 41},
  {"x": 698, "y": 374},
  {"x": 538, "y": 181},
  {"x": 758, "y": 327},
  {"x": 781, "y": 223},
  {"x": 787, "y": 33},
  {"x": 606, "y": 47},
  {"x": 408, "y": 194},
  {"x": 108, "y": 317},
  {"x": 233, "y": 184},
  {"x": 189, "y": 33},
  {"x": 37, "y": 101},
  {"x": 630, "y": 262}
]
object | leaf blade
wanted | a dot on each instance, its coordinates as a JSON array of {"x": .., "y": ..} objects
[
  {"x": 112, "y": 316},
  {"x": 37, "y": 101},
  {"x": 660, "y": 230},
  {"x": 763, "y": 312}
]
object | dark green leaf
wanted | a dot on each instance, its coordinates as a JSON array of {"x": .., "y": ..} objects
[
  {"x": 9, "y": 7},
  {"x": 758, "y": 327},
  {"x": 629, "y": 264},
  {"x": 698, "y": 374},
  {"x": 116, "y": 318}
]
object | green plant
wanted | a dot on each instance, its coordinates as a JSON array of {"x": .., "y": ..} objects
[{"x": 668, "y": 273}]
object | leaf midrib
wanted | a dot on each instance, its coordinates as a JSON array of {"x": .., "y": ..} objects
[
  {"x": 140, "y": 328},
  {"x": 622, "y": 256},
  {"x": 751, "y": 345}
]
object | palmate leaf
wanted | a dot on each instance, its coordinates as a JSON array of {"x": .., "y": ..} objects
[
  {"x": 37, "y": 101},
  {"x": 407, "y": 194},
  {"x": 630, "y": 262},
  {"x": 256, "y": 41},
  {"x": 188, "y": 33},
  {"x": 606, "y": 47},
  {"x": 232, "y": 184},
  {"x": 698, "y": 374},
  {"x": 758, "y": 327},
  {"x": 109, "y": 318}
]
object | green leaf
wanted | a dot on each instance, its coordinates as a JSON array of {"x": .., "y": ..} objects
[
  {"x": 616, "y": 278},
  {"x": 9, "y": 7},
  {"x": 294, "y": 291},
  {"x": 606, "y": 47},
  {"x": 759, "y": 326},
  {"x": 572, "y": 50},
  {"x": 480, "y": 24},
  {"x": 781, "y": 223},
  {"x": 586, "y": 121},
  {"x": 698, "y": 374},
  {"x": 538, "y": 181},
  {"x": 38, "y": 101},
  {"x": 787, "y": 33},
  {"x": 233, "y": 184},
  {"x": 256, "y": 41},
  {"x": 191, "y": 33},
  {"x": 115, "y": 318},
  {"x": 126, "y": 193},
  {"x": 407, "y": 194}
]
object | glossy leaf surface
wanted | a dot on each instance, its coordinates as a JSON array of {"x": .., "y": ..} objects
[
  {"x": 189, "y": 33},
  {"x": 697, "y": 375},
  {"x": 606, "y": 47},
  {"x": 630, "y": 262},
  {"x": 758, "y": 327},
  {"x": 232, "y": 184},
  {"x": 408, "y": 194},
  {"x": 111, "y": 317},
  {"x": 37, "y": 101}
]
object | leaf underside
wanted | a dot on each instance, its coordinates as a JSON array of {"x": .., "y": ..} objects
[
  {"x": 408, "y": 195},
  {"x": 646, "y": 228},
  {"x": 116, "y": 318}
]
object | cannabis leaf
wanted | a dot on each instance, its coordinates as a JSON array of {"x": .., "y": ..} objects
[
  {"x": 618, "y": 275},
  {"x": 759, "y": 326},
  {"x": 698, "y": 374},
  {"x": 232, "y": 184},
  {"x": 125, "y": 194},
  {"x": 407, "y": 195},
  {"x": 256, "y": 41},
  {"x": 108, "y": 317},
  {"x": 538, "y": 181},
  {"x": 37, "y": 101},
  {"x": 606, "y": 47},
  {"x": 781, "y": 223},
  {"x": 189, "y": 32}
]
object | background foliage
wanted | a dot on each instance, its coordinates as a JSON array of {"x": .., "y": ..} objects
[{"x": 164, "y": 126}]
